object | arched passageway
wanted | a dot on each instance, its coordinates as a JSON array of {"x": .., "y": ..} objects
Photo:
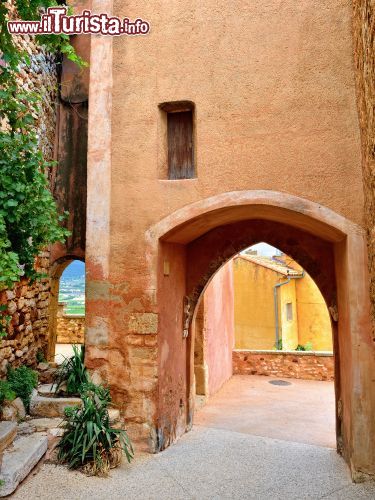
[
  {"x": 262, "y": 319},
  {"x": 192, "y": 244}
]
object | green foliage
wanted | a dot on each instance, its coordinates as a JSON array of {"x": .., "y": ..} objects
[
  {"x": 73, "y": 373},
  {"x": 28, "y": 215},
  {"x": 40, "y": 357},
  {"x": 22, "y": 381},
  {"x": 89, "y": 442},
  {"x": 6, "y": 392},
  {"x": 279, "y": 345},
  {"x": 307, "y": 347},
  {"x": 30, "y": 10},
  {"x": 4, "y": 319}
]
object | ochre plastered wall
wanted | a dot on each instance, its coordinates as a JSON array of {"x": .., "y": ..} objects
[
  {"x": 314, "y": 323},
  {"x": 286, "y": 123},
  {"x": 254, "y": 308},
  {"x": 254, "y": 312}
]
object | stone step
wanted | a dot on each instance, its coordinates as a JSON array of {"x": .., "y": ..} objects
[
  {"x": 8, "y": 431},
  {"x": 39, "y": 425},
  {"x": 47, "y": 390},
  {"x": 41, "y": 406},
  {"x": 19, "y": 460}
]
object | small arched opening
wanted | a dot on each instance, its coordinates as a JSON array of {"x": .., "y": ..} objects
[{"x": 67, "y": 307}]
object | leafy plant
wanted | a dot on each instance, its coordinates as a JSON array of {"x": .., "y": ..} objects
[
  {"x": 307, "y": 347},
  {"x": 4, "y": 319},
  {"x": 40, "y": 357},
  {"x": 89, "y": 442},
  {"x": 279, "y": 345},
  {"x": 6, "y": 392},
  {"x": 28, "y": 215},
  {"x": 22, "y": 381},
  {"x": 72, "y": 374}
]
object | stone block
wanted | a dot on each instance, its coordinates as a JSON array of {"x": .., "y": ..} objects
[
  {"x": 8, "y": 431},
  {"x": 12, "y": 307},
  {"x": 45, "y": 424},
  {"x": 143, "y": 323},
  {"x": 41, "y": 406},
  {"x": 19, "y": 462},
  {"x": 13, "y": 410},
  {"x": 43, "y": 366},
  {"x": 47, "y": 390}
]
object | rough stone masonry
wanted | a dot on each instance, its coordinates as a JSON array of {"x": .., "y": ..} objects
[{"x": 27, "y": 303}]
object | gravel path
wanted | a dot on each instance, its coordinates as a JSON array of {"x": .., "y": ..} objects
[{"x": 210, "y": 463}]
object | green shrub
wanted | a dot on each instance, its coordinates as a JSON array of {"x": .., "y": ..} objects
[
  {"x": 73, "y": 373},
  {"x": 307, "y": 347},
  {"x": 22, "y": 381},
  {"x": 6, "y": 393},
  {"x": 279, "y": 345},
  {"x": 40, "y": 357},
  {"x": 89, "y": 442}
]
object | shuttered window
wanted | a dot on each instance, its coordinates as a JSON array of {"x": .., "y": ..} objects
[
  {"x": 180, "y": 145},
  {"x": 180, "y": 139}
]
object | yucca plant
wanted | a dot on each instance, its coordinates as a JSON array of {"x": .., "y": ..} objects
[
  {"x": 89, "y": 442},
  {"x": 72, "y": 375}
]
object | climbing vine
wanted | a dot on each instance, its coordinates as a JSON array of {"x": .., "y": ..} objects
[{"x": 29, "y": 220}]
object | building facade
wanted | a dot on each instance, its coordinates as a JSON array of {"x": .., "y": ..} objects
[{"x": 228, "y": 124}]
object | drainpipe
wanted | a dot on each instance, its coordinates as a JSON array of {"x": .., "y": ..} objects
[{"x": 276, "y": 305}]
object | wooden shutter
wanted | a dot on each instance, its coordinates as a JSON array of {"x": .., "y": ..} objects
[{"x": 180, "y": 145}]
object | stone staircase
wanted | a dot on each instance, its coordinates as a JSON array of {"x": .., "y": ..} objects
[
  {"x": 23, "y": 445},
  {"x": 19, "y": 455}
]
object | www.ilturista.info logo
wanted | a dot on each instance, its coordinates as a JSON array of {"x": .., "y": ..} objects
[{"x": 56, "y": 21}]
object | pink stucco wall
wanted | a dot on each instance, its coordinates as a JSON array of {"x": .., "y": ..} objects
[{"x": 219, "y": 326}]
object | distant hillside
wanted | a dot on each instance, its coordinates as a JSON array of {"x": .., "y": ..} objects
[{"x": 72, "y": 288}]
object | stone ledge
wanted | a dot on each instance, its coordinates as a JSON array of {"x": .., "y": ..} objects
[
  {"x": 19, "y": 461},
  {"x": 294, "y": 353}
]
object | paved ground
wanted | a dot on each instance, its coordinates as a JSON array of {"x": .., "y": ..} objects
[
  {"x": 217, "y": 463},
  {"x": 303, "y": 411}
]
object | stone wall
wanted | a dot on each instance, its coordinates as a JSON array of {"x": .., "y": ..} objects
[
  {"x": 27, "y": 304},
  {"x": 70, "y": 327},
  {"x": 287, "y": 364},
  {"x": 27, "y": 331},
  {"x": 364, "y": 56}
]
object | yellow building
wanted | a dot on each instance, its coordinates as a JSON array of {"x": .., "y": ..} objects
[{"x": 277, "y": 303}]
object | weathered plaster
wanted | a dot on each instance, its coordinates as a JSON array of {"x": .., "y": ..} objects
[{"x": 278, "y": 158}]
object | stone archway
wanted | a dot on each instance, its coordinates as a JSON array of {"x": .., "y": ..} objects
[
  {"x": 56, "y": 270},
  {"x": 189, "y": 246}
]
